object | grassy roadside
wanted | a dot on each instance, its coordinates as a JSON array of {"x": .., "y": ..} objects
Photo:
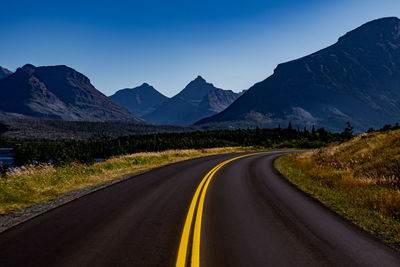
[
  {"x": 358, "y": 179},
  {"x": 35, "y": 184}
]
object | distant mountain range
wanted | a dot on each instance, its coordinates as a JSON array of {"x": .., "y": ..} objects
[
  {"x": 61, "y": 93},
  {"x": 140, "y": 100},
  {"x": 4, "y": 73},
  {"x": 357, "y": 80},
  {"x": 197, "y": 100},
  {"x": 57, "y": 92}
]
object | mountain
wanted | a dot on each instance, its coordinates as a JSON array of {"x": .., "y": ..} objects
[
  {"x": 4, "y": 73},
  {"x": 357, "y": 79},
  {"x": 57, "y": 92},
  {"x": 214, "y": 102},
  {"x": 140, "y": 100},
  {"x": 197, "y": 100}
]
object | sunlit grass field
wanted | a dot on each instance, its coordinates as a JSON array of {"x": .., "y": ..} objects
[
  {"x": 358, "y": 179},
  {"x": 34, "y": 184}
]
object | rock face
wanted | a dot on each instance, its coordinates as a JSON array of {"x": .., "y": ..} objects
[
  {"x": 57, "y": 92},
  {"x": 140, "y": 100},
  {"x": 197, "y": 100},
  {"x": 4, "y": 73},
  {"x": 357, "y": 80}
]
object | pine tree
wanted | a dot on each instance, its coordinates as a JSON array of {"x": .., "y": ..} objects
[
  {"x": 348, "y": 131},
  {"x": 313, "y": 134}
]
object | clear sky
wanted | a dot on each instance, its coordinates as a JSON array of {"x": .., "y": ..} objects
[{"x": 167, "y": 43}]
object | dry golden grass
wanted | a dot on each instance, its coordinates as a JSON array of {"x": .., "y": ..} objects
[
  {"x": 359, "y": 179},
  {"x": 34, "y": 184}
]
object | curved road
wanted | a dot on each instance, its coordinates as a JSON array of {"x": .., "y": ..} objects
[{"x": 245, "y": 214}]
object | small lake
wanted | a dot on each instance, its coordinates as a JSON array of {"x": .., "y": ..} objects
[
  {"x": 6, "y": 156},
  {"x": 6, "y": 160}
]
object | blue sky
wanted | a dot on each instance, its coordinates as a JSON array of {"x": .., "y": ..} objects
[{"x": 120, "y": 44}]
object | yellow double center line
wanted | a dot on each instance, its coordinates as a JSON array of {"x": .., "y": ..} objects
[{"x": 198, "y": 197}]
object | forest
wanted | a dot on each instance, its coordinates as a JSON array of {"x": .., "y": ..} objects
[{"x": 86, "y": 151}]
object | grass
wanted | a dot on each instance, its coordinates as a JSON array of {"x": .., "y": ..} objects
[
  {"x": 358, "y": 179},
  {"x": 35, "y": 184}
]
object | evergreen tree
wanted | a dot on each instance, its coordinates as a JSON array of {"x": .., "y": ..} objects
[
  {"x": 348, "y": 131},
  {"x": 313, "y": 134}
]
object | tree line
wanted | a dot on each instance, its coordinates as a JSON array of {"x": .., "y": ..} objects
[{"x": 85, "y": 151}]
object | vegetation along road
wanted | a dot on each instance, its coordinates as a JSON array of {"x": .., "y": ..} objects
[{"x": 222, "y": 210}]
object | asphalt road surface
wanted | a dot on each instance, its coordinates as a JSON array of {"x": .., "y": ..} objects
[{"x": 222, "y": 210}]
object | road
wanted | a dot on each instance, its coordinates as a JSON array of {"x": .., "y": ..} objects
[{"x": 234, "y": 213}]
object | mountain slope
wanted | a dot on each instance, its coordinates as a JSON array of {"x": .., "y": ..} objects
[
  {"x": 140, "y": 100},
  {"x": 57, "y": 92},
  {"x": 197, "y": 100},
  {"x": 214, "y": 102},
  {"x": 357, "y": 79},
  {"x": 4, "y": 73},
  {"x": 217, "y": 100}
]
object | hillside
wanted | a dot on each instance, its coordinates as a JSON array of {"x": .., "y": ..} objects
[
  {"x": 140, "y": 100},
  {"x": 4, "y": 73},
  {"x": 57, "y": 92},
  {"x": 357, "y": 79},
  {"x": 358, "y": 179},
  {"x": 197, "y": 100}
]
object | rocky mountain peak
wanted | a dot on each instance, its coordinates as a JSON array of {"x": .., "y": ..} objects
[
  {"x": 62, "y": 72},
  {"x": 27, "y": 68},
  {"x": 140, "y": 100},
  {"x": 200, "y": 79},
  {"x": 58, "y": 92},
  {"x": 197, "y": 100},
  {"x": 356, "y": 79},
  {"x": 379, "y": 30},
  {"x": 146, "y": 87},
  {"x": 4, "y": 72}
]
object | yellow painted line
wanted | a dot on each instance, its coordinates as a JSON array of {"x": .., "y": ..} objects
[
  {"x": 183, "y": 246},
  {"x": 182, "y": 252}
]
